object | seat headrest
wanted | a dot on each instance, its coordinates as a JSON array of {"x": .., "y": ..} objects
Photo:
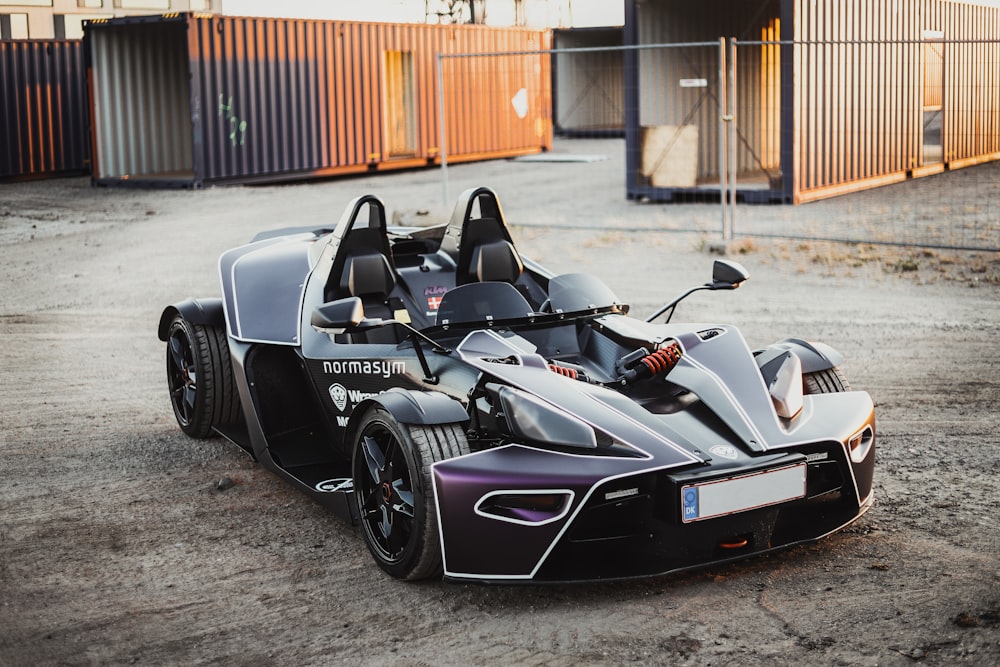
[
  {"x": 497, "y": 260},
  {"x": 367, "y": 274}
]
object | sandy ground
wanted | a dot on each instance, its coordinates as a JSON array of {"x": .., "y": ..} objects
[{"x": 116, "y": 546}]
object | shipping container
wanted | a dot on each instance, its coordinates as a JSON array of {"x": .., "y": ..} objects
[
  {"x": 188, "y": 99},
  {"x": 821, "y": 97},
  {"x": 676, "y": 89},
  {"x": 886, "y": 93},
  {"x": 43, "y": 109},
  {"x": 588, "y": 83}
]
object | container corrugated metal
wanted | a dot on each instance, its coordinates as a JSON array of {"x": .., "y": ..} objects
[
  {"x": 856, "y": 95},
  {"x": 873, "y": 78},
  {"x": 43, "y": 112},
  {"x": 251, "y": 99},
  {"x": 588, "y": 86},
  {"x": 677, "y": 91}
]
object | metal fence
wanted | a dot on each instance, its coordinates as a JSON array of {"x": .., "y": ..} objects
[{"x": 871, "y": 142}]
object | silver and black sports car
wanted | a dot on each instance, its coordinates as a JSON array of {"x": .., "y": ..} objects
[{"x": 483, "y": 418}]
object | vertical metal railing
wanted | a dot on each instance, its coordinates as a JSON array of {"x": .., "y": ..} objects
[{"x": 724, "y": 120}]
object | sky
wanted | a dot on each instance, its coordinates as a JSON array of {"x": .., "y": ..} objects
[{"x": 582, "y": 13}]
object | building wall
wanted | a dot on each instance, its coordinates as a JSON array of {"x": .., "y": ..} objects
[
  {"x": 63, "y": 19},
  {"x": 588, "y": 87}
]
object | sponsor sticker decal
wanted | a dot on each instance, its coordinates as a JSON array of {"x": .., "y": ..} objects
[
  {"x": 434, "y": 302},
  {"x": 339, "y": 396},
  {"x": 435, "y": 290},
  {"x": 725, "y": 451},
  {"x": 339, "y": 484},
  {"x": 382, "y": 367}
]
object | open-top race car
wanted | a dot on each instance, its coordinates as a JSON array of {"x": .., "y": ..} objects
[{"x": 484, "y": 418}]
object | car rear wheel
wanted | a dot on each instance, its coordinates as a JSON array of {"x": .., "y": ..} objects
[
  {"x": 829, "y": 381},
  {"x": 394, "y": 490},
  {"x": 200, "y": 377}
]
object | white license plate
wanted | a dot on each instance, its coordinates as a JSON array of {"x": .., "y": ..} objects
[{"x": 739, "y": 494}]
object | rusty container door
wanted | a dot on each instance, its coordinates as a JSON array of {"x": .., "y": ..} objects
[{"x": 43, "y": 108}]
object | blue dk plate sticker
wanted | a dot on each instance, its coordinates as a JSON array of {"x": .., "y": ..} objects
[{"x": 690, "y": 500}]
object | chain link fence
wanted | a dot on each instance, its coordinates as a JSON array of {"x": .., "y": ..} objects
[
  {"x": 894, "y": 143},
  {"x": 885, "y": 142}
]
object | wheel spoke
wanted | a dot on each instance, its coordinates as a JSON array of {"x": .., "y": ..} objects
[
  {"x": 405, "y": 497},
  {"x": 176, "y": 353},
  {"x": 399, "y": 535},
  {"x": 190, "y": 394},
  {"x": 374, "y": 458},
  {"x": 369, "y": 502},
  {"x": 386, "y": 526}
]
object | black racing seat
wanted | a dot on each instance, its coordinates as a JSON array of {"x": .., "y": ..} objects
[
  {"x": 494, "y": 261},
  {"x": 478, "y": 240},
  {"x": 363, "y": 268},
  {"x": 487, "y": 254},
  {"x": 369, "y": 277}
]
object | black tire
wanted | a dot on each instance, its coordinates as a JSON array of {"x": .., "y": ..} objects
[
  {"x": 395, "y": 494},
  {"x": 200, "y": 378},
  {"x": 829, "y": 381}
]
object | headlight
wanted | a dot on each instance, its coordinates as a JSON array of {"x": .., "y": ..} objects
[
  {"x": 535, "y": 420},
  {"x": 786, "y": 390}
]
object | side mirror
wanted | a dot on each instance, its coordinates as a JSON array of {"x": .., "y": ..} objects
[
  {"x": 338, "y": 316},
  {"x": 727, "y": 274}
]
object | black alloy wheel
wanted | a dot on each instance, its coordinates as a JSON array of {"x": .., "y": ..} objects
[
  {"x": 394, "y": 492},
  {"x": 200, "y": 377}
]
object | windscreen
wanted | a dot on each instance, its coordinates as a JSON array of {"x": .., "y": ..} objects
[
  {"x": 482, "y": 302},
  {"x": 579, "y": 291}
]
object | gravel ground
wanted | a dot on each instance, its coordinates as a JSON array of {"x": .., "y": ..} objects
[{"x": 118, "y": 546}]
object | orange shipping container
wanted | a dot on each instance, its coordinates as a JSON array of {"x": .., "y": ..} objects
[
  {"x": 43, "y": 113},
  {"x": 188, "y": 99}
]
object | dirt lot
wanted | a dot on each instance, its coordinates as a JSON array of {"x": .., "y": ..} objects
[{"x": 116, "y": 546}]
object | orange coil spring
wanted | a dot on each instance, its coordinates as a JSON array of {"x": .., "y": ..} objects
[
  {"x": 662, "y": 360},
  {"x": 568, "y": 372}
]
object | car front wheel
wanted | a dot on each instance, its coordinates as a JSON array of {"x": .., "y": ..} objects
[
  {"x": 829, "y": 381},
  {"x": 394, "y": 490}
]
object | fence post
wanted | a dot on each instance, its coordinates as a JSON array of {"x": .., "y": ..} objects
[
  {"x": 442, "y": 130},
  {"x": 722, "y": 132},
  {"x": 732, "y": 139}
]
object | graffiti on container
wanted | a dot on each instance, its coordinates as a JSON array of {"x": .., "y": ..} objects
[{"x": 237, "y": 127}]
